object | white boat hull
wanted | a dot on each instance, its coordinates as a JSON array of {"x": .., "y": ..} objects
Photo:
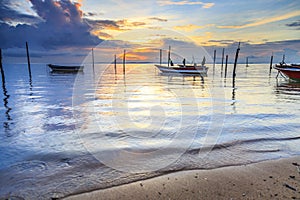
[{"x": 182, "y": 70}]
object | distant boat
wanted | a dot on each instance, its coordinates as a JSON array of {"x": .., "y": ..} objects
[
  {"x": 188, "y": 69},
  {"x": 65, "y": 68},
  {"x": 292, "y": 71},
  {"x": 192, "y": 69}
]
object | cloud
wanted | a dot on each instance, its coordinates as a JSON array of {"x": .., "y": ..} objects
[
  {"x": 294, "y": 24},
  {"x": 158, "y": 19},
  {"x": 119, "y": 25},
  {"x": 201, "y": 39},
  {"x": 264, "y": 21},
  {"x": 61, "y": 25},
  {"x": 105, "y": 28},
  {"x": 137, "y": 24},
  {"x": 191, "y": 27},
  {"x": 13, "y": 17},
  {"x": 104, "y": 24},
  {"x": 259, "y": 53},
  {"x": 180, "y": 3},
  {"x": 221, "y": 42},
  {"x": 91, "y": 14}
]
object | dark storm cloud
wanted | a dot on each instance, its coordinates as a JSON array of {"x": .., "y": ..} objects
[
  {"x": 61, "y": 26},
  {"x": 8, "y": 15}
]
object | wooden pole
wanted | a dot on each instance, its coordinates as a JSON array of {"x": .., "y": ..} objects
[
  {"x": 28, "y": 60},
  {"x": 115, "y": 64},
  {"x": 93, "y": 61},
  {"x": 0, "y": 58},
  {"x": 160, "y": 56},
  {"x": 222, "y": 60},
  {"x": 124, "y": 57},
  {"x": 271, "y": 63},
  {"x": 235, "y": 64},
  {"x": 1, "y": 68},
  {"x": 215, "y": 52},
  {"x": 226, "y": 61},
  {"x": 169, "y": 56}
]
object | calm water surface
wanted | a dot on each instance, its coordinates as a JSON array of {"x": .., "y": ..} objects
[{"x": 69, "y": 133}]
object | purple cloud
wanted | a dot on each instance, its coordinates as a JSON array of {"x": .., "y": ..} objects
[{"x": 60, "y": 24}]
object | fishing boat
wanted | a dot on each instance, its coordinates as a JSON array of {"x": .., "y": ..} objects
[
  {"x": 186, "y": 69},
  {"x": 194, "y": 69},
  {"x": 66, "y": 68},
  {"x": 292, "y": 71}
]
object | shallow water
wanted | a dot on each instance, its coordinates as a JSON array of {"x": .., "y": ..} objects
[{"x": 68, "y": 133}]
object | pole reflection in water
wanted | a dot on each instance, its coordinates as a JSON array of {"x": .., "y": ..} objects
[
  {"x": 233, "y": 100},
  {"x": 5, "y": 102}
]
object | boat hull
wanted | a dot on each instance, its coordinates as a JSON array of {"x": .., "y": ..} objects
[
  {"x": 183, "y": 70},
  {"x": 289, "y": 71},
  {"x": 62, "y": 68}
]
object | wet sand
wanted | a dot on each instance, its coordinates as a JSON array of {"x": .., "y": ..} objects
[{"x": 275, "y": 179}]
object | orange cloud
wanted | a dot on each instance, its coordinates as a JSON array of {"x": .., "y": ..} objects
[
  {"x": 56, "y": 3},
  {"x": 264, "y": 21},
  {"x": 203, "y": 39},
  {"x": 101, "y": 34},
  {"x": 135, "y": 56},
  {"x": 191, "y": 27},
  {"x": 144, "y": 50}
]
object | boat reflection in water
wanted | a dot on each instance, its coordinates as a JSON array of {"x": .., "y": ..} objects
[{"x": 290, "y": 88}]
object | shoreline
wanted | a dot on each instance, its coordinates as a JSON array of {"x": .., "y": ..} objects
[{"x": 271, "y": 179}]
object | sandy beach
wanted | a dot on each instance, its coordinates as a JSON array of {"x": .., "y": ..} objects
[{"x": 275, "y": 179}]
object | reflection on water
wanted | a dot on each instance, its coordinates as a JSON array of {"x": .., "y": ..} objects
[
  {"x": 56, "y": 125},
  {"x": 5, "y": 103},
  {"x": 288, "y": 87}
]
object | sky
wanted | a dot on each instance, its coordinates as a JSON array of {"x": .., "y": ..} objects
[{"x": 65, "y": 31}]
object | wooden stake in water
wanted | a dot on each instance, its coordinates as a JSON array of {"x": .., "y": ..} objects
[
  {"x": 93, "y": 61},
  {"x": 226, "y": 61},
  {"x": 160, "y": 56},
  {"x": 0, "y": 58},
  {"x": 222, "y": 60},
  {"x": 1, "y": 68},
  {"x": 124, "y": 57},
  {"x": 28, "y": 60},
  {"x": 115, "y": 64},
  {"x": 215, "y": 52},
  {"x": 169, "y": 56},
  {"x": 235, "y": 63},
  {"x": 271, "y": 63}
]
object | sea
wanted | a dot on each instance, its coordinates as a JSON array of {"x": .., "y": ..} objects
[{"x": 68, "y": 133}]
